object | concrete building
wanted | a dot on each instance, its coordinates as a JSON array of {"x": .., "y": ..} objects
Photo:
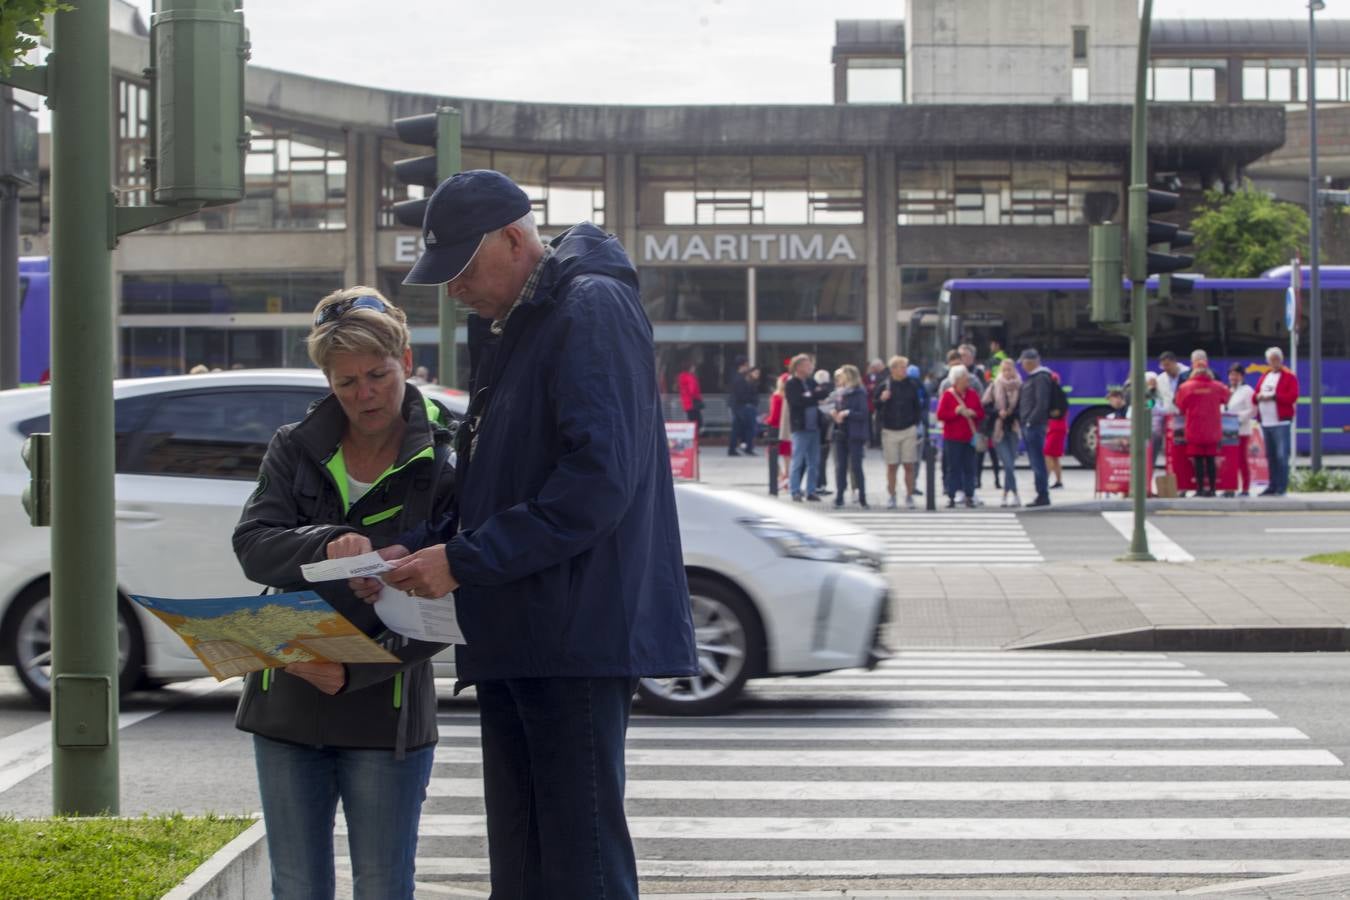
[{"x": 757, "y": 230}]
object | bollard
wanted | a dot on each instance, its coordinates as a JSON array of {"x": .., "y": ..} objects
[
  {"x": 771, "y": 452},
  {"x": 930, "y": 464}
]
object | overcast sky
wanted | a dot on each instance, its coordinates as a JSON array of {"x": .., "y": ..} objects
[{"x": 597, "y": 51}]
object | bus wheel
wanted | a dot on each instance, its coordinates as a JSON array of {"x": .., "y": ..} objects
[{"x": 1083, "y": 436}]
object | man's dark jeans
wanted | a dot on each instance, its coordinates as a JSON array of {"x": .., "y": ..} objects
[
  {"x": 1034, "y": 435},
  {"x": 1277, "y": 455},
  {"x": 743, "y": 424},
  {"x": 553, "y": 780}
]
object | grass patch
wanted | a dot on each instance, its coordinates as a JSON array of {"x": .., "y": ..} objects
[
  {"x": 1306, "y": 481},
  {"x": 111, "y": 859},
  {"x": 1331, "y": 559}
]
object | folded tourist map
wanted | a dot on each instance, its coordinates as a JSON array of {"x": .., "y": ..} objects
[{"x": 237, "y": 635}]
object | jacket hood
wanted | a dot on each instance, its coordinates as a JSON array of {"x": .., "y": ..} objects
[{"x": 585, "y": 250}]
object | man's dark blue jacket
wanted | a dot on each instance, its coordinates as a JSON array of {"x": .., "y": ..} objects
[{"x": 568, "y": 550}]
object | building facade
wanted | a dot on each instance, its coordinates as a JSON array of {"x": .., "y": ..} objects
[{"x": 757, "y": 230}]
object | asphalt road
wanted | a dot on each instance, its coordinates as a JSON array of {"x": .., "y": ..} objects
[{"x": 941, "y": 770}]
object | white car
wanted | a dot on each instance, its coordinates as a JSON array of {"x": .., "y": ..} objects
[{"x": 775, "y": 590}]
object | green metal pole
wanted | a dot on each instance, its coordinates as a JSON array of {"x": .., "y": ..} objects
[
  {"x": 447, "y": 164},
  {"x": 1140, "y": 421},
  {"x": 84, "y": 577}
]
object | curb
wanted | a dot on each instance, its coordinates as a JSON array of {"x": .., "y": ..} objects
[
  {"x": 1198, "y": 504},
  {"x": 241, "y": 870},
  {"x": 1209, "y": 638}
]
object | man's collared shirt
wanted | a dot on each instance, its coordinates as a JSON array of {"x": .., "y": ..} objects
[
  {"x": 498, "y": 326},
  {"x": 526, "y": 291}
]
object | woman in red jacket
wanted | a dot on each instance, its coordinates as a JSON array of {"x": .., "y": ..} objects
[
  {"x": 960, "y": 412},
  {"x": 1200, "y": 399},
  {"x": 691, "y": 397}
]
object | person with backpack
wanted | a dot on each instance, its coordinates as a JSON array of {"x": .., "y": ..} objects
[
  {"x": 368, "y": 463},
  {"x": 1056, "y": 429}
]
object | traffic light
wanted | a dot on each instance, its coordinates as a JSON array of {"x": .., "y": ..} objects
[
  {"x": 1106, "y": 273},
  {"x": 1147, "y": 233},
  {"x": 200, "y": 135},
  {"x": 37, "y": 494},
  {"x": 440, "y": 130}
]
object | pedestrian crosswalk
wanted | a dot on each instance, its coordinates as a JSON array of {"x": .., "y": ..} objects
[
  {"x": 1136, "y": 765},
  {"x": 958, "y": 538}
]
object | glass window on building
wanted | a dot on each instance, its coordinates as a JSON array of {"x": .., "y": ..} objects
[
  {"x": 1185, "y": 80},
  {"x": 694, "y": 294},
  {"x": 833, "y": 294},
  {"x": 713, "y": 363},
  {"x": 564, "y": 188},
  {"x": 1005, "y": 192},
  {"x": 876, "y": 80},
  {"x": 750, "y": 190},
  {"x": 133, "y": 142},
  {"x": 295, "y": 177},
  {"x": 1286, "y": 80},
  {"x": 774, "y": 358},
  {"x": 226, "y": 292}
]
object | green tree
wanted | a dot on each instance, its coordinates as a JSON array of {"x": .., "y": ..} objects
[
  {"x": 1242, "y": 234},
  {"x": 21, "y": 27}
]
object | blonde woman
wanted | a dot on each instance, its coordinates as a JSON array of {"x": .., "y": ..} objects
[
  {"x": 1006, "y": 390},
  {"x": 368, "y": 463},
  {"x": 851, "y": 433}
]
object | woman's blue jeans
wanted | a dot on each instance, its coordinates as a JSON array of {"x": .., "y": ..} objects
[
  {"x": 1007, "y": 455},
  {"x": 381, "y": 799}
]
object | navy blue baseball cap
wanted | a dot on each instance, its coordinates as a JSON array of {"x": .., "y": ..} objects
[{"x": 460, "y": 214}]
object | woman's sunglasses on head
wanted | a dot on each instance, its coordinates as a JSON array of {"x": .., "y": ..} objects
[{"x": 341, "y": 308}]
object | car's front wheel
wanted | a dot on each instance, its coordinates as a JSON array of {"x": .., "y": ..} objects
[
  {"x": 29, "y": 634},
  {"x": 730, "y": 642}
]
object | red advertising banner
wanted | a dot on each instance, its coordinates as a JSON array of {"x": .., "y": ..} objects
[
  {"x": 1180, "y": 465},
  {"x": 1113, "y": 457},
  {"x": 682, "y": 437},
  {"x": 1256, "y": 459}
]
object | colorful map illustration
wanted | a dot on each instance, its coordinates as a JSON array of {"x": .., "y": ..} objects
[{"x": 237, "y": 635}]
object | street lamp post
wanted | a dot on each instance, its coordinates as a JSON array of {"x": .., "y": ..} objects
[{"x": 1315, "y": 292}]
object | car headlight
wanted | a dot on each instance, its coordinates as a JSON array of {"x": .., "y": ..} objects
[{"x": 789, "y": 541}]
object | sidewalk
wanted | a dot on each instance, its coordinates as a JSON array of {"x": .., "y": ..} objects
[
  {"x": 1102, "y": 604},
  {"x": 751, "y": 474}
]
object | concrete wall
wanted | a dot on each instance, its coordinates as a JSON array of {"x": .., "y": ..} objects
[{"x": 994, "y": 51}]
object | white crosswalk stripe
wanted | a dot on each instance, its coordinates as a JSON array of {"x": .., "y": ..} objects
[
  {"x": 1123, "y": 768},
  {"x": 966, "y": 538}
]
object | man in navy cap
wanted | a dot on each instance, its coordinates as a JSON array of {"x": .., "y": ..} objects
[{"x": 565, "y": 560}]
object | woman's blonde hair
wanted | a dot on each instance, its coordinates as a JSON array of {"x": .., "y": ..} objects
[
  {"x": 852, "y": 377},
  {"x": 1008, "y": 366},
  {"x": 357, "y": 329}
]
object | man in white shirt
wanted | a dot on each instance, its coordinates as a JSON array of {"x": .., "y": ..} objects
[{"x": 1170, "y": 376}]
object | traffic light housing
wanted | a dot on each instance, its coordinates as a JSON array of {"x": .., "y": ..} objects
[
  {"x": 37, "y": 494},
  {"x": 1106, "y": 273},
  {"x": 1147, "y": 233},
  {"x": 199, "y": 132},
  {"x": 441, "y": 131}
]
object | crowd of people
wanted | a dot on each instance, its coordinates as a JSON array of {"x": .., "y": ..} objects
[{"x": 992, "y": 410}]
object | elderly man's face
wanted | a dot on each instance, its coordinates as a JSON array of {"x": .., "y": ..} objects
[
  {"x": 492, "y": 282},
  {"x": 802, "y": 369},
  {"x": 967, "y": 358}
]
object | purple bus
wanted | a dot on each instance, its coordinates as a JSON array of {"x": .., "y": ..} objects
[
  {"x": 35, "y": 320},
  {"x": 1233, "y": 319}
]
